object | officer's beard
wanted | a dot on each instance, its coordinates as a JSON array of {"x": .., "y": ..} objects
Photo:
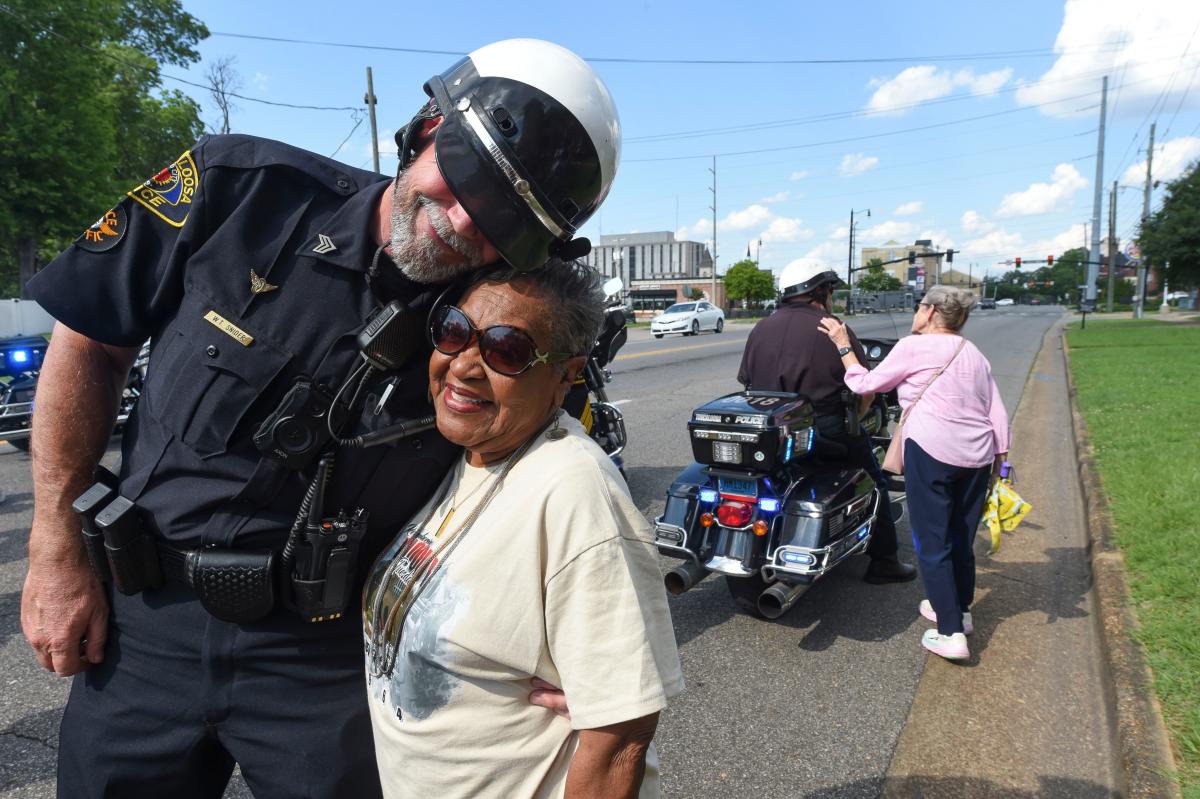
[{"x": 421, "y": 258}]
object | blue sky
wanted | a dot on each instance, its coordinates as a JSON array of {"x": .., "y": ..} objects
[{"x": 1001, "y": 164}]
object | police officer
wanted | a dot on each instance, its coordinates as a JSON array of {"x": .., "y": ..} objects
[
  {"x": 788, "y": 352},
  {"x": 253, "y": 267}
]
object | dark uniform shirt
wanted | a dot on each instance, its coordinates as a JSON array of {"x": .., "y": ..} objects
[
  {"x": 788, "y": 352},
  {"x": 173, "y": 262}
]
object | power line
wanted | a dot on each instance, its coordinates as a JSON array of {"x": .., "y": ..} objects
[
  {"x": 358, "y": 121},
  {"x": 31, "y": 25},
  {"x": 1003, "y": 54}
]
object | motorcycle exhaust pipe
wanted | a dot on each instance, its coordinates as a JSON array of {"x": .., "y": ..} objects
[
  {"x": 779, "y": 598},
  {"x": 684, "y": 576}
]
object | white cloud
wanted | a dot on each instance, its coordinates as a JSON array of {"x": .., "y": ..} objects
[
  {"x": 908, "y": 209},
  {"x": 748, "y": 217},
  {"x": 920, "y": 84},
  {"x": 777, "y": 197},
  {"x": 701, "y": 231},
  {"x": 1143, "y": 49},
  {"x": 831, "y": 252},
  {"x": 785, "y": 229},
  {"x": 1171, "y": 159},
  {"x": 940, "y": 238},
  {"x": 387, "y": 145},
  {"x": 799, "y": 174},
  {"x": 1041, "y": 198},
  {"x": 996, "y": 245},
  {"x": 885, "y": 231},
  {"x": 973, "y": 223},
  {"x": 261, "y": 81},
  {"x": 857, "y": 163}
]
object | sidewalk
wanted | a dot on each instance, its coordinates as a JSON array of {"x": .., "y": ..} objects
[{"x": 1029, "y": 715}]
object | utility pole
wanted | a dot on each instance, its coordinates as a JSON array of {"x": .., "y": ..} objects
[
  {"x": 1144, "y": 265},
  {"x": 713, "y": 293},
  {"x": 1112, "y": 243},
  {"x": 370, "y": 99},
  {"x": 1093, "y": 270}
]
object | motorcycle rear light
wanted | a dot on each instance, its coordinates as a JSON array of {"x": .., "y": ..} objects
[
  {"x": 725, "y": 452},
  {"x": 708, "y": 495},
  {"x": 706, "y": 520},
  {"x": 760, "y": 528},
  {"x": 735, "y": 514},
  {"x": 769, "y": 505}
]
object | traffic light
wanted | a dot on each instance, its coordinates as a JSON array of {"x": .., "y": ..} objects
[
  {"x": 1049, "y": 260},
  {"x": 912, "y": 257},
  {"x": 1018, "y": 263},
  {"x": 949, "y": 256}
]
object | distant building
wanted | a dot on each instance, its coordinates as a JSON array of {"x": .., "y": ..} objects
[
  {"x": 657, "y": 269},
  {"x": 924, "y": 273}
]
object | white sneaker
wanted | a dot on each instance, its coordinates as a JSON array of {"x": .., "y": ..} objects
[
  {"x": 951, "y": 647},
  {"x": 927, "y": 612}
]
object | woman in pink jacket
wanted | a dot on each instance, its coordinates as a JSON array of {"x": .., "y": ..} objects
[{"x": 954, "y": 437}]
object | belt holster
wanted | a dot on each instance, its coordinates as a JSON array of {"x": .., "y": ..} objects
[{"x": 233, "y": 585}]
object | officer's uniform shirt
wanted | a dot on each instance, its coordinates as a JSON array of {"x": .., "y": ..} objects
[
  {"x": 787, "y": 351},
  {"x": 245, "y": 264}
]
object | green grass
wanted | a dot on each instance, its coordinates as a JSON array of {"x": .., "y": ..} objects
[{"x": 1139, "y": 391}]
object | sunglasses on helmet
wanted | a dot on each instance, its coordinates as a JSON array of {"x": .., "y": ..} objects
[{"x": 505, "y": 349}]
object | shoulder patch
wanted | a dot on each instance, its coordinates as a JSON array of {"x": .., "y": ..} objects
[
  {"x": 105, "y": 233},
  {"x": 168, "y": 195}
]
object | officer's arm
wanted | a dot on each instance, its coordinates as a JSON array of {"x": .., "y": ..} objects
[{"x": 62, "y": 604}]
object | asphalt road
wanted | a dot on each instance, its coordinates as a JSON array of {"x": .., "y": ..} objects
[{"x": 810, "y": 705}]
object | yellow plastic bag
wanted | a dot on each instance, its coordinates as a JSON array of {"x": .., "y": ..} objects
[{"x": 1005, "y": 510}]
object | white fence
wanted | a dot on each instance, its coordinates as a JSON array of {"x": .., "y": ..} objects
[{"x": 23, "y": 318}]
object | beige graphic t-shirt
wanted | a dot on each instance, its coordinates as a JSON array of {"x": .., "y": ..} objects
[{"x": 556, "y": 578}]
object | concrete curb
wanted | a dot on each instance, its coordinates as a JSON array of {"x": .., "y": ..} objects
[{"x": 1143, "y": 745}]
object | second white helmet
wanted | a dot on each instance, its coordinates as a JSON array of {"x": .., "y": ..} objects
[{"x": 805, "y": 274}]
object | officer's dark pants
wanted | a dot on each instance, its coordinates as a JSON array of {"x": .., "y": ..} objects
[
  {"x": 883, "y": 542},
  {"x": 945, "y": 504},
  {"x": 181, "y": 697}
]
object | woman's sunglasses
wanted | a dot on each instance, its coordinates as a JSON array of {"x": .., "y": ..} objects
[{"x": 505, "y": 349}]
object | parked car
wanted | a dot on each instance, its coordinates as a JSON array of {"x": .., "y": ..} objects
[
  {"x": 1005, "y": 301},
  {"x": 987, "y": 302},
  {"x": 1036, "y": 301},
  {"x": 688, "y": 318}
]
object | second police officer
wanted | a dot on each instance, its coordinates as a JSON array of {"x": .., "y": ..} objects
[
  {"x": 788, "y": 352},
  {"x": 254, "y": 268}
]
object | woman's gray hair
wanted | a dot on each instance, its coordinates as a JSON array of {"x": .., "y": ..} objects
[
  {"x": 573, "y": 294},
  {"x": 952, "y": 305}
]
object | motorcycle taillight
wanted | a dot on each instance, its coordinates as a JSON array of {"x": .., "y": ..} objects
[{"x": 734, "y": 514}]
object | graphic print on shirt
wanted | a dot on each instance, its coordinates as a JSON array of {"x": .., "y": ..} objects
[{"x": 403, "y": 655}]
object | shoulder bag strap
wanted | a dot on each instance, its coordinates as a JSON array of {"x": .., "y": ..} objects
[{"x": 962, "y": 343}]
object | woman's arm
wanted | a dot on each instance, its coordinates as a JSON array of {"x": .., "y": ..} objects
[
  {"x": 610, "y": 761},
  {"x": 884, "y": 377}
]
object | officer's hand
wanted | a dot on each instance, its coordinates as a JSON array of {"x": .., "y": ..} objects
[
  {"x": 64, "y": 615},
  {"x": 546, "y": 695},
  {"x": 836, "y": 331}
]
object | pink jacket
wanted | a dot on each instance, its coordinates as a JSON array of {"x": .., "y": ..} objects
[{"x": 961, "y": 420}]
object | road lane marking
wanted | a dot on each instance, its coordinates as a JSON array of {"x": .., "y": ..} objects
[{"x": 633, "y": 355}]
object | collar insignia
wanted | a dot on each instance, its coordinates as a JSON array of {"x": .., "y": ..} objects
[
  {"x": 258, "y": 285},
  {"x": 324, "y": 245}
]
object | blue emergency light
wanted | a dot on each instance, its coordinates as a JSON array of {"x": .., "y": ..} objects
[
  {"x": 708, "y": 495},
  {"x": 768, "y": 504},
  {"x": 19, "y": 356}
]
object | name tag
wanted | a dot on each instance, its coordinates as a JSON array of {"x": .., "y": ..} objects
[{"x": 229, "y": 328}]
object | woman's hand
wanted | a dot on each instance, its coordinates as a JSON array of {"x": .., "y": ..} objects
[
  {"x": 550, "y": 697},
  {"x": 837, "y": 332}
]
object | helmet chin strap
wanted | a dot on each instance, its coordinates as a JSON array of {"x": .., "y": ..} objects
[{"x": 406, "y": 137}]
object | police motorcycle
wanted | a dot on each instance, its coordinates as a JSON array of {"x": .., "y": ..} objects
[
  {"x": 762, "y": 505},
  {"x": 604, "y": 421},
  {"x": 21, "y": 362}
]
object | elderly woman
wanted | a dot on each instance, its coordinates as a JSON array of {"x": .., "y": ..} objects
[
  {"x": 530, "y": 563},
  {"x": 955, "y": 435}
]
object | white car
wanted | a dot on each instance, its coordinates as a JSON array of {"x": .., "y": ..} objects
[
  {"x": 688, "y": 318},
  {"x": 1003, "y": 302}
]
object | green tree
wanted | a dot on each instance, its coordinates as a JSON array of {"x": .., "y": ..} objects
[
  {"x": 81, "y": 116},
  {"x": 696, "y": 294},
  {"x": 1170, "y": 238},
  {"x": 877, "y": 279},
  {"x": 745, "y": 281}
]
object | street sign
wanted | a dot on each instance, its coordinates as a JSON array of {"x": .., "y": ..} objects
[{"x": 1133, "y": 250}]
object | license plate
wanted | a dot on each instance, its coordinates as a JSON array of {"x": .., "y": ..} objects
[
  {"x": 725, "y": 452},
  {"x": 739, "y": 488}
]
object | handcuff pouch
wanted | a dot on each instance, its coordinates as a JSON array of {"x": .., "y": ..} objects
[{"x": 234, "y": 585}]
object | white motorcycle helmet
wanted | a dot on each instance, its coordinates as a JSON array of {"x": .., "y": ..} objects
[
  {"x": 804, "y": 275},
  {"x": 529, "y": 145}
]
